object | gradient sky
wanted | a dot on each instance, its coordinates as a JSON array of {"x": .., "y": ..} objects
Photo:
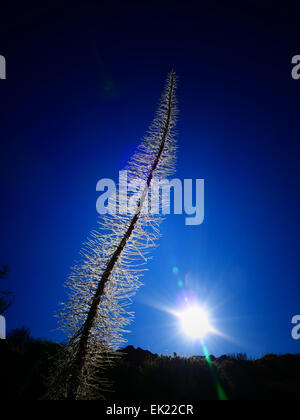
[{"x": 82, "y": 86}]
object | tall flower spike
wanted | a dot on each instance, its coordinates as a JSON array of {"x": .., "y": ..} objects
[{"x": 101, "y": 285}]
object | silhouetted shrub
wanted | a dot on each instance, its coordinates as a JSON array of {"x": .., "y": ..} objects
[{"x": 25, "y": 363}]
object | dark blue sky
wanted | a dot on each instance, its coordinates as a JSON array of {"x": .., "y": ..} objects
[{"x": 82, "y": 86}]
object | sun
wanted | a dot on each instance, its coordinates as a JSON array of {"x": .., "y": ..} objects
[{"x": 195, "y": 322}]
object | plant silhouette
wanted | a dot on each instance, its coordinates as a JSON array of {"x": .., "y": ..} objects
[{"x": 102, "y": 284}]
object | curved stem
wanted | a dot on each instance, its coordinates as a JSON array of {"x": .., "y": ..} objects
[{"x": 80, "y": 358}]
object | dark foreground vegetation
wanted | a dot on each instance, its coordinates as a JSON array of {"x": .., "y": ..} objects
[{"x": 143, "y": 376}]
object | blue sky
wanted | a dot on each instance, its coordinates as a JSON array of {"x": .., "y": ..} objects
[{"x": 82, "y": 87}]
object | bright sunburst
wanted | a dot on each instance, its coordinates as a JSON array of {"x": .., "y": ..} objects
[{"x": 195, "y": 322}]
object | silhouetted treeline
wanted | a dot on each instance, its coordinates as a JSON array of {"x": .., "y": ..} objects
[
  {"x": 142, "y": 376},
  {"x": 24, "y": 364}
]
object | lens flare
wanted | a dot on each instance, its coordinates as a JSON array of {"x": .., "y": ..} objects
[{"x": 195, "y": 322}]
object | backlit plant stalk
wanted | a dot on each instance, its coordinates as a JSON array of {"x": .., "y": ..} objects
[{"x": 102, "y": 284}]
